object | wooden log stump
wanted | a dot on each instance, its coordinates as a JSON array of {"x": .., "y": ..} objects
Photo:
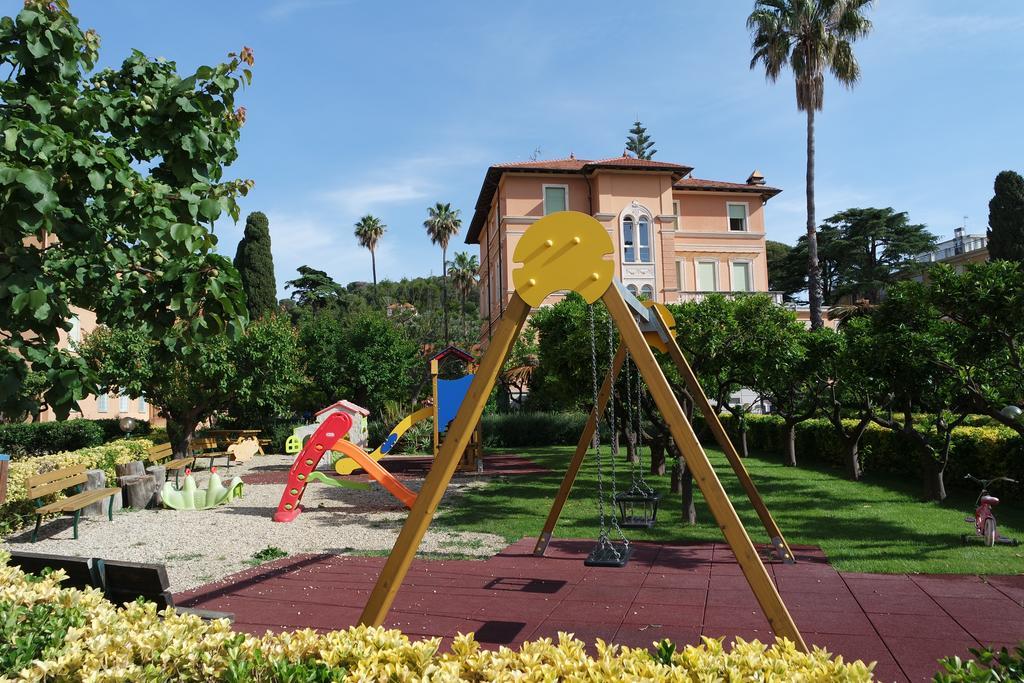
[
  {"x": 138, "y": 490},
  {"x": 159, "y": 474},
  {"x": 130, "y": 469},
  {"x": 98, "y": 480}
]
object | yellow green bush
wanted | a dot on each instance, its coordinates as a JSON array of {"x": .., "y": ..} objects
[
  {"x": 137, "y": 643},
  {"x": 104, "y": 457}
]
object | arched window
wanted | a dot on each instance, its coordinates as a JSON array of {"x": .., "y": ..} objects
[
  {"x": 644, "y": 240},
  {"x": 647, "y": 291},
  {"x": 628, "y": 244},
  {"x": 632, "y": 289}
]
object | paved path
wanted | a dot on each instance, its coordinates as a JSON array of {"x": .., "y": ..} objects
[{"x": 905, "y": 623}]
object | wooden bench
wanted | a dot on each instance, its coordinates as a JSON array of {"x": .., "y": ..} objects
[
  {"x": 121, "y": 582},
  {"x": 60, "y": 480},
  {"x": 161, "y": 453},
  {"x": 207, "y": 448},
  {"x": 81, "y": 571}
]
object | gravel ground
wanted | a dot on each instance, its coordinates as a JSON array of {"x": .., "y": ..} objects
[{"x": 199, "y": 547}]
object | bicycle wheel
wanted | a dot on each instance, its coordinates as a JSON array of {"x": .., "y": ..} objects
[{"x": 990, "y": 532}]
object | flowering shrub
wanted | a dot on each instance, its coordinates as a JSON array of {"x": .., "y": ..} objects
[
  {"x": 104, "y": 457},
  {"x": 137, "y": 643}
]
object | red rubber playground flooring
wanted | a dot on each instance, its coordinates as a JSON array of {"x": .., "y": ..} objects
[{"x": 903, "y": 622}]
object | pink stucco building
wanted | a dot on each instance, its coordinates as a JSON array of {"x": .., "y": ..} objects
[{"x": 676, "y": 237}]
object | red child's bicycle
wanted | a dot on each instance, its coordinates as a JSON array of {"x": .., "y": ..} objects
[{"x": 984, "y": 519}]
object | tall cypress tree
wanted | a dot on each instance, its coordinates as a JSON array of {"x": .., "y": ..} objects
[
  {"x": 255, "y": 264},
  {"x": 639, "y": 142},
  {"x": 1006, "y": 218}
]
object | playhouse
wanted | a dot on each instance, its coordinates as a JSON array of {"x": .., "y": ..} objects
[{"x": 358, "y": 434}]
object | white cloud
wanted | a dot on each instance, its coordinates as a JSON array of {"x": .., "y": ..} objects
[
  {"x": 360, "y": 198},
  {"x": 282, "y": 9}
]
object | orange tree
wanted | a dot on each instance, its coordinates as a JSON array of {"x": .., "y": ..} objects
[{"x": 110, "y": 182}]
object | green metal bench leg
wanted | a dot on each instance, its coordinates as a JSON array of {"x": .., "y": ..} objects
[
  {"x": 110, "y": 509},
  {"x": 75, "y": 523},
  {"x": 35, "y": 532}
]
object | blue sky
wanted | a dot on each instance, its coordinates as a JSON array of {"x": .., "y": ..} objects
[{"x": 387, "y": 107}]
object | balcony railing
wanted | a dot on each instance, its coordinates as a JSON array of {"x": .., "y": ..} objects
[{"x": 699, "y": 296}]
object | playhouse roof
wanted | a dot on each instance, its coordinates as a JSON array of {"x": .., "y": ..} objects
[
  {"x": 452, "y": 351},
  {"x": 347, "y": 405}
]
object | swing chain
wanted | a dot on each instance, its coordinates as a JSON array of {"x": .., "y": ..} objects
[
  {"x": 596, "y": 439},
  {"x": 614, "y": 433}
]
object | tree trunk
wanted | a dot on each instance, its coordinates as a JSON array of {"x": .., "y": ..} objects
[
  {"x": 933, "y": 478},
  {"x": 744, "y": 451},
  {"x": 791, "y": 444},
  {"x": 852, "y": 455},
  {"x": 373, "y": 265},
  {"x": 181, "y": 434},
  {"x": 689, "y": 509},
  {"x": 814, "y": 289},
  {"x": 676, "y": 483},
  {"x": 657, "y": 457},
  {"x": 444, "y": 291}
]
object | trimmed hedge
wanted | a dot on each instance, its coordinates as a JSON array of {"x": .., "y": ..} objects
[
  {"x": 136, "y": 643},
  {"x": 23, "y": 439},
  {"x": 112, "y": 428},
  {"x": 990, "y": 451},
  {"x": 527, "y": 430}
]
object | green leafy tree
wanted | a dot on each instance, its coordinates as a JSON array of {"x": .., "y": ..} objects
[
  {"x": 777, "y": 254},
  {"x": 368, "y": 230},
  {"x": 379, "y": 360},
  {"x": 255, "y": 373},
  {"x": 268, "y": 370},
  {"x": 1006, "y": 218},
  {"x": 810, "y": 37},
  {"x": 873, "y": 248},
  {"x": 314, "y": 289},
  {"x": 912, "y": 345},
  {"x": 465, "y": 271},
  {"x": 850, "y": 394},
  {"x": 792, "y": 279},
  {"x": 319, "y": 338},
  {"x": 785, "y": 376},
  {"x": 985, "y": 302},
  {"x": 111, "y": 181},
  {"x": 255, "y": 264},
  {"x": 442, "y": 224},
  {"x": 639, "y": 142}
]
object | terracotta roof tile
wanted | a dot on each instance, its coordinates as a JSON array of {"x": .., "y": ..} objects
[{"x": 721, "y": 185}]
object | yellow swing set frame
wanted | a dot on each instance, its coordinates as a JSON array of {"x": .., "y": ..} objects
[{"x": 566, "y": 251}]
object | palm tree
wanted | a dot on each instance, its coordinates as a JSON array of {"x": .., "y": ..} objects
[
  {"x": 465, "y": 273},
  {"x": 442, "y": 224},
  {"x": 810, "y": 37},
  {"x": 368, "y": 231}
]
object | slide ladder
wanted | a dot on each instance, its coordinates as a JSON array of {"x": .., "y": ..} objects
[{"x": 330, "y": 436}]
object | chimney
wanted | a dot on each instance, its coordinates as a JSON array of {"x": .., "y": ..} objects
[{"x": 755, "y": 178}]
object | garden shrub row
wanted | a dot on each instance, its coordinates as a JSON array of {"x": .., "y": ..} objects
[
  {"x": 24, "y": 439},
  {"x": 18, "y": 508},
  {"x": 27, "y": 439},
  {"x": 530, "y": 429},
  {"x": 68, "y": 634},
  {"x": 984, "y": 451}
]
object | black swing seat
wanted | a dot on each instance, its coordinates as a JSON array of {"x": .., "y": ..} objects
[
  {"x": 121, "y": 582},
  {"x": 608, "y": 554}
]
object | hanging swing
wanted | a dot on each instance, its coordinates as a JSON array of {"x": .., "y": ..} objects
[
  {"x": 638, "y": 505},
  {"x": 606, "y": 553}
]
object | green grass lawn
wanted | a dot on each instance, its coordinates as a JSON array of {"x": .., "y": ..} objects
[{"x": 876, "y": 525}]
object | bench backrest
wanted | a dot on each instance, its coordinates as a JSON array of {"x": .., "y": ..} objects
[
  {"x": 203, "y": 444},
  {"x": 81, "y": 571},
  {"x": 161, "y": 452},
  {"x": 124, "y": 582},
  {"x": 51, "y": 482}
]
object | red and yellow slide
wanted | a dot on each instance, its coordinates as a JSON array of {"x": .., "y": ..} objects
[{"x": 330, "y": 436}]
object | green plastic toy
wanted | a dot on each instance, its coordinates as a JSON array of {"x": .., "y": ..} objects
[{"x": 191, "y": 497}]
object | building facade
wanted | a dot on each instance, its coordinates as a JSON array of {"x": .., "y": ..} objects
[
  {"x": 108, "y": 405},
  {"x": 957, "y": 252},
  {"x": 676, "y": 237}
]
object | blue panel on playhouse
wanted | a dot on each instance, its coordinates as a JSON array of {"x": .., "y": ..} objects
[{"x": 450, "y": 393}]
